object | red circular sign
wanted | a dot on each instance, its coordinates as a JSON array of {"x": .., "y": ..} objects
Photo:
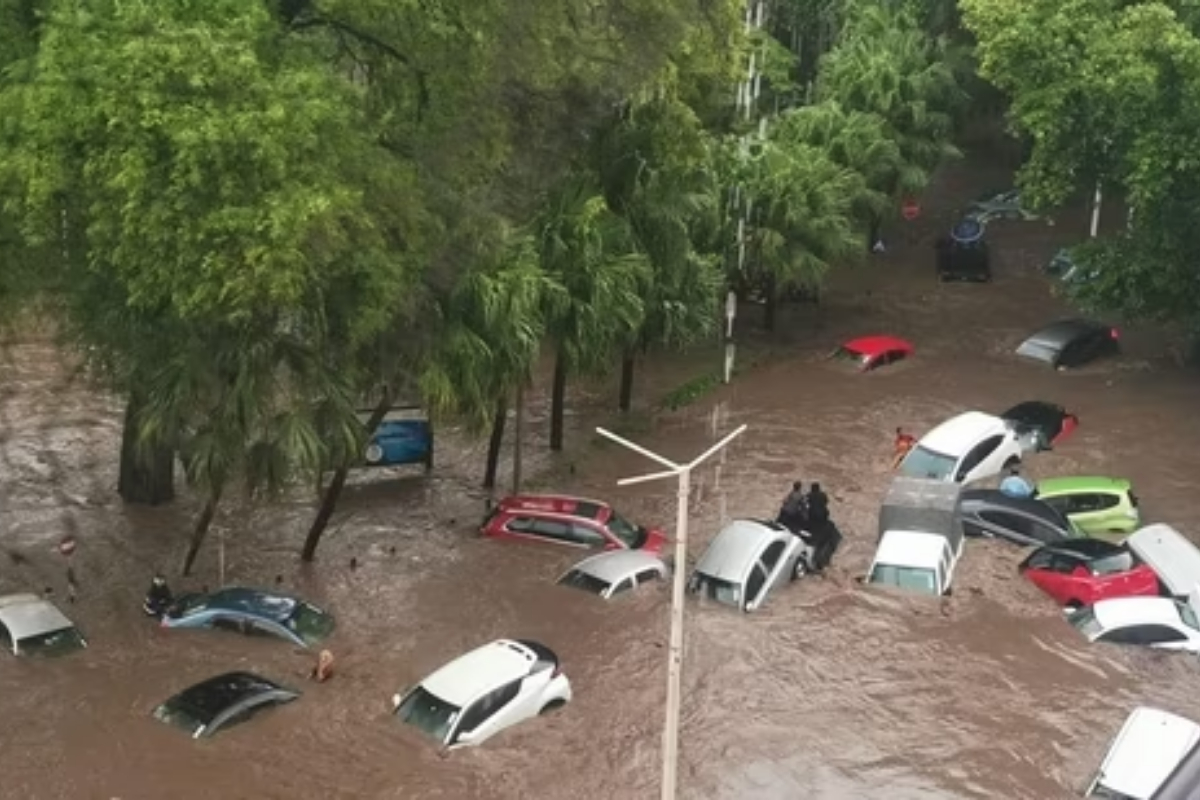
[{"x": 911, "y": 209}]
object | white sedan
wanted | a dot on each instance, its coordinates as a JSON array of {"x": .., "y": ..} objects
[
  {"x": 485, "y": 691},
  {"x": 967, "y": 448},
  {"x": 1149, "y": 621},
  {"x": 609, "y": 574}
]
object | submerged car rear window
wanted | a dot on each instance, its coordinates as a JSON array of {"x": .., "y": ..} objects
[
  {"x": 910, "y": 578},
  {"x": 427, "y": 712}
]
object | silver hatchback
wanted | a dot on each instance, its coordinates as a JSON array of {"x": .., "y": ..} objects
[{"x": 746, "y": 560}]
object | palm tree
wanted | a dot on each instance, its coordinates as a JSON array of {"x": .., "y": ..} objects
[
  {"x": 655, "y": 165},
  {"x": 589, "y": 251},
  {"x": 856, "y": 140},
  {"x": 803, "y": 220},
  {"x": 887, "y": 66},
  {"x": 255, "y": 407}
]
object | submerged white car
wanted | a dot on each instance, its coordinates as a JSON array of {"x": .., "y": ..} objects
[
  {"x": 1161, "y": 622},
  {"x": 34, "y": 626},
  {"x": 967, "y": 448},
  {"x": 1143, "y": 754},
  {"x": 612, "y": 573},
  {"x": 485, "y": 691}
]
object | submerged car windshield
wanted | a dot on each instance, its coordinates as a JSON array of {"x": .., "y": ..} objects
[
  {"x": 853, "y": 356},
  {"x": 912, "y": 578},
  {"x": 921, "y": 462},
  {"x": 310, "y": 623},
  {"x": 428, "y": 712},
  {"x": 55, "y": 643},
  {"x": 1085, "y": 622},
  {"x": 634, "y": 536},
  {"x": 581, "y": 580},
  {"x": 724, "y": 592}
]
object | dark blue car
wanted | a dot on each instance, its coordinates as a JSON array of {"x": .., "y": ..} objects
[
  {"x": 403, "y": 437},
  {"x": 252, "y": 611}
]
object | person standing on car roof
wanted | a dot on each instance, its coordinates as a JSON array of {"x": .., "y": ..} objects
[{"x": 793, "y": 514}]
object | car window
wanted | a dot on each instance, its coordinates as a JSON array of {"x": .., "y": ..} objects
[
  {"x": 552, "y": 529},
  {"x": 754, "y": 583},
  {"x": 586, "y": 535},
  {"x": 1063, "y": 504},
  {"x": 483, "y": 708},
  {"x": 520, "y": 525},
  {"x": 1161, "y": 634},
  {"x": 1041, "y": 560},
  {"x": 771, "y": 555},
  {"x": 1064, "y": 564},
  {"x": 924, "y": 463},
  {"x": 623, "y": 586},
  {"x": 893, "y": 356},
  {"x": 1046, "y": 533},
  {"x": 1012, "y": 522},
  {"x": 1084, "y": 503},
  {"x": 1109, "y": 565},
  {"x": 648, "y": 575},
  {"x": 237, "y": 624},
  {"x": 978, "y": 453},
  {"x": 1131, "y": 635}
]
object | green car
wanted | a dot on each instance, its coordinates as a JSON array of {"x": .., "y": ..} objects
[{"x": 1097, "y": 506}]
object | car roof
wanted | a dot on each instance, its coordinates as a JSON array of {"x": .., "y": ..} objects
[
  {"x": 1038, "y": 410},
  {"x": 1058, "y": 335},
  {"x": 997, "y": 499},
  {"x": 481, "y": 670},
  {"x": 27, "y": 615},
  {"x": 1082, "y": 483},
  {"x": 255, "y": 602},
  {"x": 1170, "y": 554},
  {"x": 555, "y": 504},
  {"x": 874, "y": 345},
  {"x": 1119, "y": 612},
  {"x": 910, "y": 549},
  {"x": 1148, "y": 747},
  {"x": 1085, "y": 547},
  {"x": 207, "y": 699},
  {"x": 736, "y": 547},
  {"x": 615, "y": 565},
  {"x": 960, "y": 433}
]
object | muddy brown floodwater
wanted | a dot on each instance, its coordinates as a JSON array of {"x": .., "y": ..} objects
[{"x": 830, "y": 691}]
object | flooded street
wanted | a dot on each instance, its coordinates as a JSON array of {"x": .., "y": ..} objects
[{"x": 829, "y": 691}]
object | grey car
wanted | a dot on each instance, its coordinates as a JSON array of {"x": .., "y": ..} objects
[
  {"x": 1025, "y": 521},
  {"x": 1071, "y": 343},
  {"x": 34, "y": 626},
  {"x": 746, "y": 560},
  {"x": 218, "y": 702},
  {"x": 612, "y": 573}
]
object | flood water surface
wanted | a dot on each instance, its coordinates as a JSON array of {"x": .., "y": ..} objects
[{"x": 829, "y": 691}]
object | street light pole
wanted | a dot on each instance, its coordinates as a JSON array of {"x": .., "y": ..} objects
[{"x": 683, "y": 472}]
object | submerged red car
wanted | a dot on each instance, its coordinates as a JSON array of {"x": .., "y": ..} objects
[
  {"x": 870, "y": 352},
  {"x": 1082, "y": 572},
  {"x": 571, "y": 521}
]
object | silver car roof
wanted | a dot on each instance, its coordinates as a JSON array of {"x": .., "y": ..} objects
[
  {"x": 1058, "y": 335},
  {"x": 27, "y": 615},
  {"x": 736, "y": 547},
  {"x": 617, "y": 565}
]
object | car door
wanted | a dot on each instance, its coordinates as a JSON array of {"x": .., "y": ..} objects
[
  {"x": 978, "y": 462},
  {"x": 1053, "y": 575},
  {"x": 487, "y": 716},
  {"x": 1079, "y": 585},
  {"x": 583, "y": 534},
  {"x": 556, "y": 531},
  {"x": 779, "y": 558}
]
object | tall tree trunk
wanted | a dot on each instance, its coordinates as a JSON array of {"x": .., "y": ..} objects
[
  {"x": 493, "y": 453},
  {"x": 200, "y": 530},
  {"x": 558, "y": 398},
  {"x": 334, "y": 491},
  {"x": 771, "y": 302},
  {"x": 628, "y": 363},
  {"x": 518, "y": 439},
  {"x": 146, "y": 475}
]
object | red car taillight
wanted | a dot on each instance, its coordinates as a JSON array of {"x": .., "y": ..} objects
[{"x": 1114, "y": 334}]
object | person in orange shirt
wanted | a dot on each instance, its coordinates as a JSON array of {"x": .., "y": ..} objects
[{"x": 904, "y": 443}]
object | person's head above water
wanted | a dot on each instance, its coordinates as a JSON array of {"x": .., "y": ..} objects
[
  {"x": 815, "y": 487},
  {"x": 797, "y": 486}
]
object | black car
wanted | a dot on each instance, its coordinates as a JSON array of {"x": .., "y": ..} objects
[
  {"x": 1071, "y": 343},
  {"x": 219, "y": 702},
  {"x": 1020, "y": 520},
  {"x": 1047, "y": 423},
  {"x": 964, "y": 254}
]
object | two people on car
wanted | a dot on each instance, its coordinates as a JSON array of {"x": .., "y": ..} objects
[{"x": 807, "y": 516}]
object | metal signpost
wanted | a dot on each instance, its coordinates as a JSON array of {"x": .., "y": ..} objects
[{"x": 675, "y": 654}]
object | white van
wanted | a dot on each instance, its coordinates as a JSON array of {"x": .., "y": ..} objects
[
  {"x": 1145, "y": 751},
  {"x": 915, "y": 561},
  {"x": 1170, "y": 554}
]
